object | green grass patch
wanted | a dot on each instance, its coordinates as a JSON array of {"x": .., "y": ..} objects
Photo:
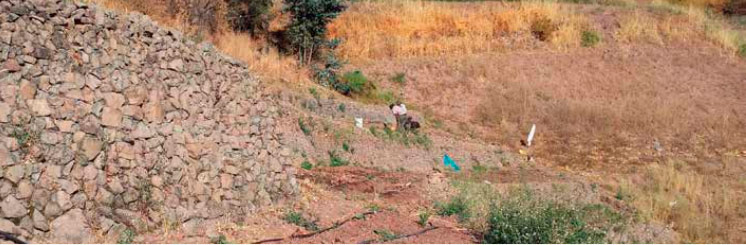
[
  {"x": 220, "y": 239},
  {"x": 306, "y": 165},
  {"x": 590, "y": 38},
  {"x": 407, "y": 138},
  {"x": 304, "y": 127},
  {"x": 742, "y": 50},
  {"x": 298, "y": 219},
  {"x": 335, "y": 160},
  {"x": 399, "y": 78},
  {"x": 126, "y": 237},
  {"x": 424, "y": 217}
]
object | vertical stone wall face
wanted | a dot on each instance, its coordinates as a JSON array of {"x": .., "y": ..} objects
[{"x": 107, "y": 120}]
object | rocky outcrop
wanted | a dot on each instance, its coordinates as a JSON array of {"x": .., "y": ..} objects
[{"x": 108, "y": 120}]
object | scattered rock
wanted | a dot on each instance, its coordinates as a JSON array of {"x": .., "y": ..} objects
[{"x": 12, "y": 208}]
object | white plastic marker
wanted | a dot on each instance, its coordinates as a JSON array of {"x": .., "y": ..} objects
[
  {"x": 359, "y": 122},
  {"x": 531, "y": 135}
]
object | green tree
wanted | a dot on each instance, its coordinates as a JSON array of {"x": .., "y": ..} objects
[{"x": 307, "y": 28}]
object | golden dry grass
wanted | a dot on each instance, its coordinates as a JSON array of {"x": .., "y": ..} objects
[
  {"x": 701, "y": 208},
  {"x": 378, "y": 29}
]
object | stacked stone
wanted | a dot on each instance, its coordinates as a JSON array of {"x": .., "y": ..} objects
[{"x": 107, "y": 120}]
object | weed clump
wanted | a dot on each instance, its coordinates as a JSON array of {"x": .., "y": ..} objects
[
  {"x": 297, "y": 218},
  {"x": 742, "y": 50},
  {"x": 306, "y": 165},
  {"x": 590, "y": 38},
  {"x": 399, "y": 78},
  {"x": 335, "y": 160}
]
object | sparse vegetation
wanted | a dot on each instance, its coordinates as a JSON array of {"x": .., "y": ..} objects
[
  {"x": 455, "y": 206},
  {"x": 306, "y": 165},
  {"x": 298, "y": 219},
  {"x": 399, "y": 78},
  {"x": 335, "y": 160},
  {"x": 305, "y": 128},
  {"x": 385, "y": 235},
  {"x": 127, "y": 236},
  {"x": 220, "y": 239},
  {"x": 424, "y": 217},
  {"x": 590, "y": 38}
]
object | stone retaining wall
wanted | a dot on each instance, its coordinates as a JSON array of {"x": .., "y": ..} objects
[{"x": 107, "y": 121}]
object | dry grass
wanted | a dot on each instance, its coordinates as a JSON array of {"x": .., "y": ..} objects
[
  {"x": 380, "y": 29},
  {"x": 701, "y": 208}
]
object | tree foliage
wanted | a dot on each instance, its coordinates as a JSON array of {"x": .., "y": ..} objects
[{"x": 307, "y": 28}]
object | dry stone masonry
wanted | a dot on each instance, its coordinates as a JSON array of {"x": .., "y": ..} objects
[{"x": 109, "y": 121}]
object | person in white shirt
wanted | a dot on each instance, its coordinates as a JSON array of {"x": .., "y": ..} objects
[{"x": 400, "y": 113}]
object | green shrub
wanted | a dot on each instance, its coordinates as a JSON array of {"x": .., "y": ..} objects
[
  {"x": 386, "y": 235},
  {"x": 126, "y": 237},
  {"x": 308, "y": 23},
  {"x": 297, "y": 218},
  {"x": 478, "y": 169},
  {"x": 356, "y": 81},
  {"x": 590, "y": 38},
  {"x": 456, "y": 206},
  {"x": 526, "y": 219},
  {"x": 742, "y": 50},
  {"x": 304, "y": 127},
  {"x": 346, "y": 147},
  {"x": 336, "y": 160},
  {"x": 424, "y": 217},
  {"x": 342, "y": 107},
  {"x": 306, "y": 165},
  {"x": 399, "y": 78}
]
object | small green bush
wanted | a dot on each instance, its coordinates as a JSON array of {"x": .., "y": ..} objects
[
  {"x": 336, "y": 160},
  {"x": 297, "y": 218},
  {"x": 456, "y": 206},
  {"x": 356, "y": 81},
  {"x": 306, "y": 165},
  {"x": 126, "y": 237},
  {"x": 424, "y": 217},
  {"x": 342, "y": 107},
  {"x": 399, "y": 78},
  {"x": 526, "y": 219},
  {"x": 590, "y": 38},
  {"x": 304, "y": 127},
  {"x": 742, "y": 50},
  {"x": 386, "y": 235}
]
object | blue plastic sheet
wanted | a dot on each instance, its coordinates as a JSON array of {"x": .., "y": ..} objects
[{"x": 450, "y": 163}]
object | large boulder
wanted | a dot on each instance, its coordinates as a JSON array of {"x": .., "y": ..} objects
[{"x": 71, "y": 227}]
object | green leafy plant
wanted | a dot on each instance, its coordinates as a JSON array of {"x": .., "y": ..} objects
[
  {"x": 528, "y": 220},
  {"x": 456, "y": 206},
  {"x": 126, "y": 237},
  {"x": 355, "y": 81},
  {"x": 304, "y": 127},
  {"x": 342, "y": 107},
  {"x": 590, "y": 38},
  {"x": 742, "y": 50},
  {"x": 306, "y": 165},
  {"x": 374, "y": 207},
  {"x": 335, "y": 160},
  {"x": 308, "y": 25},
  {"x": 297, "y": 218},
  {"x": 314, "y": 93},
  {"x": 386, "y": 235},
  {"x": 346, "y": 147},
  {"x": 424, "y": 216},
  {"x": 399, "y": 78}
]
